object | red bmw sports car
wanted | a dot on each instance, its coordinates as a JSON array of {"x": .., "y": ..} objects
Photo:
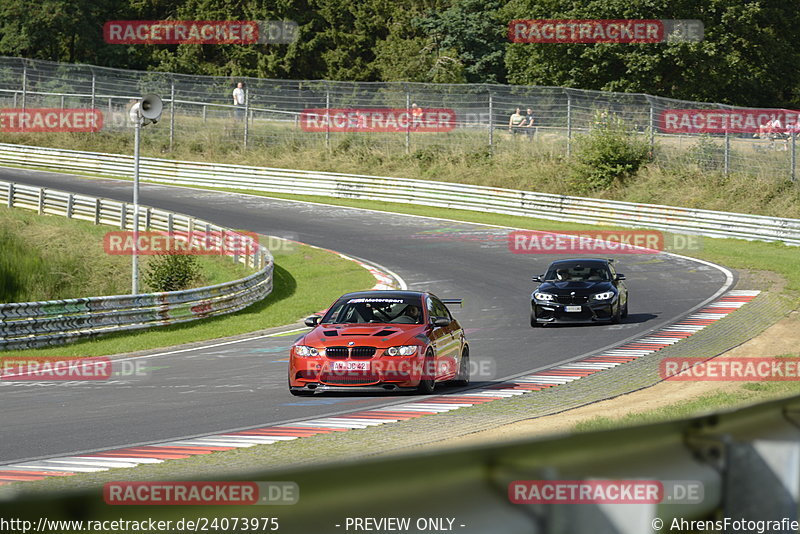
[{"x": 381, "y": 341}]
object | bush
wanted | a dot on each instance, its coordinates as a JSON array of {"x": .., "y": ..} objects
[
  {"x": 609, "y": 154},
  {"x": 171, "y": 272}
]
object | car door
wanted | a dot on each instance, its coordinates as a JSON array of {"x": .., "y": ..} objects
[{"x": 448, "y": 341}]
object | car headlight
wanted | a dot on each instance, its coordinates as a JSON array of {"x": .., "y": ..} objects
[
  {"x": 307, "y": 352},
  {"x": 544, "y": 296},
  {"x": 405, "y": 350},
  {"x": 603, "y": 296}
]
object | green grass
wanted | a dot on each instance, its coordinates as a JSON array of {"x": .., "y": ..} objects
[
  {"x": 744, "y": 395},
  {"x": 49, "y": 257},
  {"x": 306, "y": 280},
  {"x": 759, "y": 184},
  {"x": 46, "y": 257}
]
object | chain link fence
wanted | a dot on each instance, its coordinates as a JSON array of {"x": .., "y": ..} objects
[{"x": 199, "y": 109}]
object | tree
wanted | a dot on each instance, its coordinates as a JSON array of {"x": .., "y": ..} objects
[{"x": 747, "y": 57}]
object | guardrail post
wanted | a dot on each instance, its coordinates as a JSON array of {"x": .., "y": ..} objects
[
  {"x": 652, "y": 120},
  {"x": 171, "y": 114},
  {"x": 70, "y": 202},
  {"x": 328, "y": 118},
  {"x": 491, "y": 123},
  {"x": 97, "y": 211},
  {"x": 569, "y": 124},
  {"x": 204, "y": 112},
  {"x": 147, "y": 218},
  {"x": 110, "y": 108},
  {"x": 794, "y": 158},
  {"x": 10, "y": 200},
  {"x": 727, "y": 158},
  {"x": 40, "y": 206},
  {"x": 123, "y": 216},
  {"x": 62, "y": 101}
]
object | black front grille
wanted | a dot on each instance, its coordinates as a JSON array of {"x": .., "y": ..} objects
[
  {"x": 349, "y": 379},
  {"x": 361, "y": 353},
  {"x": 337, "y": 352},
  {"x": 567, "y": 299}
]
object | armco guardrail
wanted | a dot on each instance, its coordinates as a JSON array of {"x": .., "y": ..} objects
[
  {"x": 732, "y": 467},
  {"x": 37, "y": 324},
  {"x": 429, "y": 193}
]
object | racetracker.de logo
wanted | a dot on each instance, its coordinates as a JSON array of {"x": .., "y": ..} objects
[
  {"x": 598, "y": 242},
  {"x": 50, "y": 120},
  {"x": 200, "y": 493},
  {"x": 216, "y": 243},
  {"x": 378, "y": 120},
  {"x": 730, "y": 369},
  {"x": 586, "y": 491},
  {"x": 725, "y": 120},
  {"x": 586, "y": 31},
  {"x": 199, "y": 32},
  {"x": 47, "y": 368}
]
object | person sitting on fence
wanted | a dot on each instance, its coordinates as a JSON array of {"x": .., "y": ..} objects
[{"x": 516, "y": 123}]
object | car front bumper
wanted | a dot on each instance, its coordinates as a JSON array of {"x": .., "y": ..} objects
[{"x": 591, "y": 312}]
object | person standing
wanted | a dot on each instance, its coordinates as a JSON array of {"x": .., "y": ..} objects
[
  {"x": 238, "y": 100},
  {"x": 529, "y": 123}
]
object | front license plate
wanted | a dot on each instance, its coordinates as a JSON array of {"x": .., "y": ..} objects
[
  {"x": 350, "y": 366},
  {"x": 572, "y": 308}
]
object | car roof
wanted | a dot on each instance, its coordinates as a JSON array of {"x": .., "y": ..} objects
[
  {"x": 385, "y": 293},
  {"x": 582, "y": 260}
]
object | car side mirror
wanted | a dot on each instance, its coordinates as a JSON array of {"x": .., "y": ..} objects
[
  {"x": 620, "y": 277},
  {"x": 537, "y": 278},
  {"x": 441, "y": 321},
  {"x": 313, "y": 320}
]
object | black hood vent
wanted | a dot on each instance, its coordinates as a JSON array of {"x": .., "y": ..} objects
[
  {"x": 385, "y": 333},
  {"x": 331, "y": 333}
]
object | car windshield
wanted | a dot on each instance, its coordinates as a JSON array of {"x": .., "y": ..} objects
[
  {"x": 577, "y": 272},
  {"x": 396, "y": 310}
]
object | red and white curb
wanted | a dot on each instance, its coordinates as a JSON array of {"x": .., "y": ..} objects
[{"x": 562, "y": 374}]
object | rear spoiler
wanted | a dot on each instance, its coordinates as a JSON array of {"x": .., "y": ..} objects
[{"x": 460, "y": 302}]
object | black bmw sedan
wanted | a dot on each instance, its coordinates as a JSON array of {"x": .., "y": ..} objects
[{"x": 584, "y": 290}]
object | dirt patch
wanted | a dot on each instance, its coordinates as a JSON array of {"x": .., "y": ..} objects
[{"x": 780, "y": 339}]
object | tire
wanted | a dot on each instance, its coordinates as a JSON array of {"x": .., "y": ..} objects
[
  {"x": 625, "y": 310},
  {"x": 462, "y": 378},
  {"x": 301, "y": 392},
  {"x": 616, "y": 316},
  {"x": 426, "y": 386},
  {"x": 534, "y": 323}
]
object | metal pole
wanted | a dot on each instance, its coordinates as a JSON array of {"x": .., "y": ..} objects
[
  {"x": 491, "y": 123},
  {"x": 569, "y": 125},
  {"x": 204, "y": 113},
  {"x": 62, "y": 101},
  {"x": 652, "y": 128},
  {"x": 24, "y": 85},
  {"x": 794, "y": 158},
  {"x": 246, "y": 114},
  {"x": 93, "y": 89},
  {"x": 727, "y": 153},
  {"x": 328, "y": 119},
  {"x": 408, "y": 123},
  {"x": 171, "y": 114},
  {"x": 135, "y": 251}
]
